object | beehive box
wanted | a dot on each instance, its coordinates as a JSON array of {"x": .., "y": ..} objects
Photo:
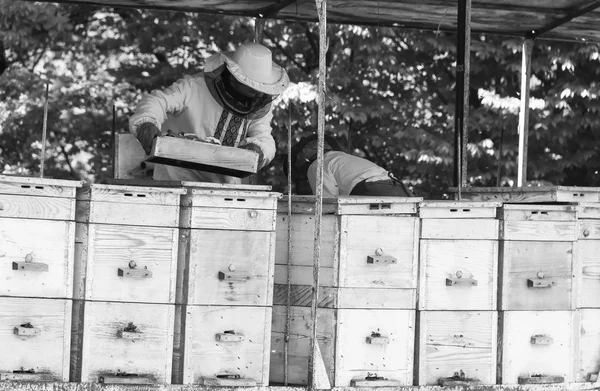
[
  {"x": 588, "y": 345},
  {"x": 531, "y": 194},
  {"x": 367, "y": 290},
  {"x": 225, "y": 285},
  {"x": 588, "y": 269},
  {"x": 537, "y": 257},
  {"x": 538, "y": 347},
  {"x": 458, "y": 255},
  {"x": 125, "y": 284},
  {"x": 37, "y": 231}
]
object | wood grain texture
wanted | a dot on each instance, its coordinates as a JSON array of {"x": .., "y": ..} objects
[
  {"x": 32, "y": 186},
  {"x": 104, "y": 352},
  {"x": 231, "y": 219},
  {"x": 230, "y": 198},
  {"x": 588, "y": 344},
  {"x": 450, "y": 341},
  {"x": 47, "y": 352},
  {"x": 521, "y": 357},
  {"x": 130, "y": 194},
  {"x": 443, "y": 260},
  {"x": 363, "y": 236},
  {"x": 531, "y": 194},
  {"x": 355, "y": 358},
  {"x": 247, "y": 255},
  {"x": 129, "y": 155},
  {"x": 299, "y": 344},
  {"x": 187, "y": 184},
  {"x": 589, "y": 230},
  {"x": 34, "y": 207},
  {"x": 204, "y": 156},
  {"x": 589, "y": 210},
  {"x": 44, "y": 241},
  {"x": 303, "y": 239},
  {"x": 206, "y": 357},
  {"x": 303, "y": 275},
  {"x": 114, "y": 247},
  {"x": 473, "y": 229},
  {"x": 132, "y": 214},
  {"x": 458, "y": 210},
  {"x": 527, "y": 260},
  {"x": 556, "y": 231},
  {"x": 589, "y": 275}
]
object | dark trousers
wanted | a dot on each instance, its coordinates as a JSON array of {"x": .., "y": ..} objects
[{"x": 388, "y": 187}]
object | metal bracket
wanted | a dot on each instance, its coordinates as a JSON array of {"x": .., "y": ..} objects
[
  {"x": 30, "y": 266},
  {"x": 459, "y": 379},
  {"x": 541, "y": 339},
  {"x": 27, "y": 330},
  {"x": 132, "y": 272},
  {"x": 229, "y": 336},
  {"x": 379, "y": 258},
  {"x": 234, "y": 276},
  {"x": 540, "y": 379},
  {"x": 377, "y": 339},
  {"x": 130, "y": 332},
  {"x": 228, "y": 381},
  {"x": 540, "y": 281}
]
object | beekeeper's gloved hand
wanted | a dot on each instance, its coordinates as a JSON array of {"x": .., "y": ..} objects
[{"x": 146, "y": 133}]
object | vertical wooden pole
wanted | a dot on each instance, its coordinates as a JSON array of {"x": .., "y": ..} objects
[
  {"x": 322, "y": 13},
  {"x": 461, "y": 117},
  {"x": 524, "y": 111}
]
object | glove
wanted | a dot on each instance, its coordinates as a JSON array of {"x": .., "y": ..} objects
[
  {"x": 146, "y": 134},
  {"x": 256, "y": 148}
]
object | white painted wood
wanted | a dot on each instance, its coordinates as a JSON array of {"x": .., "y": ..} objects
[
  {"x": 473, "y": 229},
  {"x": 458, "y": 209},
  {"x": 231, "y": 219},
  {"x": 589, "y": 274},
  {"x": 106, "y": 350},
  {"x": 555, "y": 231},
  {"x": 34, "y": 186},
  {"x": 206, "y": 357},
  {"x": 113, "y": 248},
  {"x": 521, "y": 357},
  {"x": 35, "y": 207},
  {"x": 43, "y": 242},
  {"x": 443, "y": 261},
  {"x": 588, "y": 344},
  {"x": 451, "y": 341},
  {"x": 47, "y": 351}
]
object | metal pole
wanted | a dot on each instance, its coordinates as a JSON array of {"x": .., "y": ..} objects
[
  {"x": 524, "y": 112},
  {"x": 44, "y": 128},
  {"x": 322, "y": 13},
  {"x": 461, "y": 116}
]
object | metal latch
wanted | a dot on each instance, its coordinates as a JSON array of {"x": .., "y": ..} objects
[
  {"x": 29, "y": 265},
  {"x": 459, "y": 379},
  {"x": 460, "y": 279},
  {"x": 541, "y": 339},
  {"x": 229, "y": 336},
  {"x": 133, "y": 272},
  {"x": 232, "y": 275},
  {"x": 540, "y": 379},
  {"x": 377, "y": 339},
  {"x": 372, "y": 380},
  {"x": 130, "y": 332},
  {"x": 27, "y": 330},
  {"x": 540, "y": 282},
  {"x": 379, "y": 258}
]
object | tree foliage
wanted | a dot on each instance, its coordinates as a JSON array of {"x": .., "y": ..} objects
[{"x": 390, "y": 92}]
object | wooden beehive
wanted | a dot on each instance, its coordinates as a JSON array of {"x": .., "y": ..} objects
[
  {"x": 531, "y": 194},
  {"x": 367, "y": 290},
  {"x": 537, "y": 257},
  {"x": 225, "y": 285},
  {"x": 587, "y": 335},
  {"x": 37, "y": 230},
  {"x": 125, "y": 284},
  {"x": 588, "y": 267}
]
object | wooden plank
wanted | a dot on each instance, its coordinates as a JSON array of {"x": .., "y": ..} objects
[
  {"x": 108, "y": 348},
  {"x": 299, "y": 343},
  {"x": 206, "y": 357},
  {"x": 47, "y": 351},
  {"x": 303, "y": 275},
  {"x": 114, "y": 250},
  {"x": 524, "y": 111},
  {"x": 536, "y": 275},
  {"x": 390, "y": 239},
  {"x": 46, "y": 242},
  {"x": 473, "y": 229},
  {"x": 458, "y": 209},
  {"x": 522, "y": 357},
  {"x": 588, "y": 345},
  {"x": 230, "y": 268},
  {"x": 356, "y": 358},
  {"x": 35, "y": 207},
  {"x": 303, "y": 238},
  {"x": 531, "y": 194},
  {"x": 301, "y": 296},
  {"x": 201, "y": 156},
  {"x": 589, "y": 275},
  {"x": 453, "y": 340},
  {"x": 347, "y": 205},
  {"x": 188, "y": 184},
  {"x": 589, "y": 210},
  {"x": 527, "y": 212},
  {"x": 21, "y": 185},
  {"x": 131, "y": 194},
  {"x": 128, "y": 214},
  {"x": 230, "y": 219},
  {"x": 589, "y": 230},
  {"x": 231, "y": 199},
  {"x": 130, "y": 157},
  {"x": 458, "y": 275},
  {"x": 551, "y": 231}
]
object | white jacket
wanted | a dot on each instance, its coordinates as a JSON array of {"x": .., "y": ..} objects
[{"x": 187, "y": 106}]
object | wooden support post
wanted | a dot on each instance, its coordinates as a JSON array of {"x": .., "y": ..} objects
[
  {"x": 524, "y": 111},
  {"x": 461, "y": 117}
]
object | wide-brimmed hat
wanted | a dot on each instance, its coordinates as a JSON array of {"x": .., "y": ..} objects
[{"x": 252, "y": 64}]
